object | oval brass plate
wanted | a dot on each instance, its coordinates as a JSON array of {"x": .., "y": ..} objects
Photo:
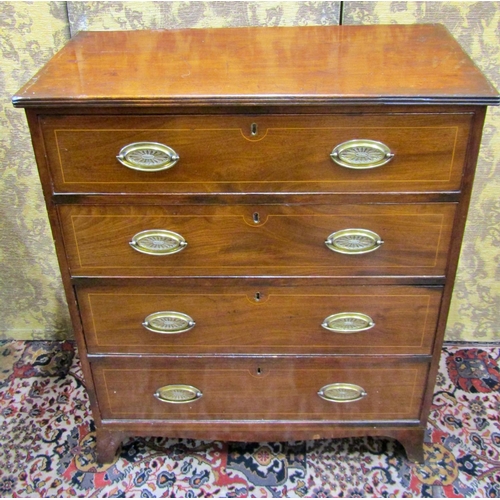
[
  {"x": 178, "y": 394},
  {"x": 147, "y": 156},
  {"x": 353, "y": 241},
  {"x": 361, "y": 154},
  {"x": 158, "y": 242},
  {"x": 348, "y": 322},
  {"x": 342, "y": 393},
  {"x": 168, "y": 322}
]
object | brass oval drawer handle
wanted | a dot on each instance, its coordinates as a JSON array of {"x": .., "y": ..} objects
[
  {"x": 348, "y": 322},
  {"x": 178, "y": 394},
  {"x": 353, "y": 241},
  {"x": 361, "y": 154},
  {"x": 147, "y": 156},
  {"x": 342, "y": 393},
  {"x": 168, "y": 322},
  {"x": 158, "y": 242}
]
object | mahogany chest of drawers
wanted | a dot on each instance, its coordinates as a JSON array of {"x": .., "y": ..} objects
[{"x": 258, "y": 229}]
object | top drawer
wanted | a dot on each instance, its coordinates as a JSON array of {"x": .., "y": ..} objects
[{"x": 256, "y": 154}]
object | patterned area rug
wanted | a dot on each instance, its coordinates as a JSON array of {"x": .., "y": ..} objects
[{"x": 47, "y": 443}]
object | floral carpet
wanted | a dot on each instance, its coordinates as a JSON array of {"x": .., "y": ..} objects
[{"x": 47, "y": 443}]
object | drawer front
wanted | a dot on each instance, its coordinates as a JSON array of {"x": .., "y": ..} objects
[
  {"x": 259, "y": 389},
  {"x": 276, "y": 153},
  {"x": 285, "y": 240},
  {"x": 259, "y": 318}
]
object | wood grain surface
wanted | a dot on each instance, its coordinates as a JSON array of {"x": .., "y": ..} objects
[
  {"x": 234, "y": 317},
  {"x": 287, "y": 153},
  {"x": 410, "y": 64},
  {"x": 287, "y": 240},
  {"x": 259, "y": 388}
]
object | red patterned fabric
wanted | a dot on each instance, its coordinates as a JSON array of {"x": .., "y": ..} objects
[{"x": 473, "y": 370}]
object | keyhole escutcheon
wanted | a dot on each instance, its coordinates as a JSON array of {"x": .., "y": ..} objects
[{"x": 253, "y": 130}]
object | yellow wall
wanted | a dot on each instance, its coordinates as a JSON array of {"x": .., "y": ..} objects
[
  {"x": 31, "y": 299},
  {"x": 31, "y": 295}
]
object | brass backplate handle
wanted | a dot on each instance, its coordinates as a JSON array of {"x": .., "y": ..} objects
[
  {"x": 342, "y": 393},
  {"x": 168, "y": 322},
  {"x": 354, "y": 241},
  {"x": 158, "y": 242},
  {"x": 348, "y": 322},
  {"x": 178, "y": 394},
  {"x": 147, "y": 156},
  {"x": 361, "y": 154}
]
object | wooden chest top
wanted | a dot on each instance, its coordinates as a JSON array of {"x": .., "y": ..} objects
[{"x": 261, "y": 66}]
